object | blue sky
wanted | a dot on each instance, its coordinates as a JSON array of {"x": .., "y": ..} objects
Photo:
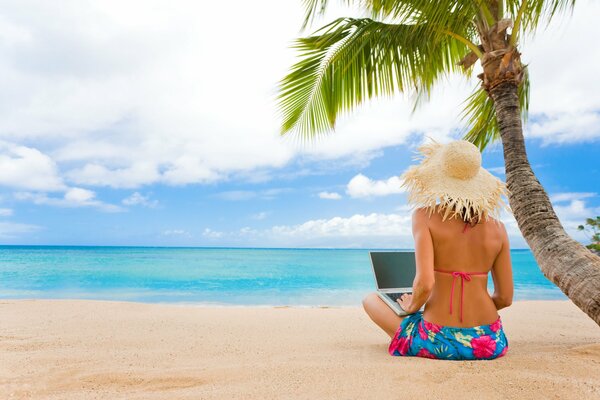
[{"x": 123, "y": 125}]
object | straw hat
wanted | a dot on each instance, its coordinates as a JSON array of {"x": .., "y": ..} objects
[{"x": 452, "y": 173}]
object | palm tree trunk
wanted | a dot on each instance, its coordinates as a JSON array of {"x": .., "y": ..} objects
[{"x": 567, "y": 263}]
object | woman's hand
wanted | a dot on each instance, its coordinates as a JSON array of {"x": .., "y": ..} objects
[{"x": 405, "y": 301}]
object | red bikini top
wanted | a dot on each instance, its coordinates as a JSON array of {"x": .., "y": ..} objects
[{"x": 464, "y": 276}]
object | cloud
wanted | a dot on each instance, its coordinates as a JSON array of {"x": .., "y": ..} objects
[
  {"x": 330, "y": 195},
  {"x": 175, "y": 232},
  {"x": 9, "y": 230},
  {"x": 497, "y": 170},
  {"x": 247, "y": 231},
  {"x": 117, "y": 95},
  {"x": 572, "y": 211},
  {"x": 138, "y": 173},
  {"x": 137, "y": 199},
  {"x": 362, "y": 186},
  {"x": 564, "y": 107},
  {"x": 566, "y": 127},
  {"x": 358, "y": 230},
  {"x": 6, "y": 212},
  {"x": 73, "y": 197},
  {"x": 79, "y": 195},
  {"x": 121, "y": 77},
  {"x": 391, "y": 230},
  {"x": 28, "y": 168},
  {"x": 574, "y": 214},
  {"x": 209, "y": 233},
  {"x": 373, "y": 224},
  {"x": 568, "y": 196}
]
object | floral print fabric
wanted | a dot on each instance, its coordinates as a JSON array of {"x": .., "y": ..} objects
[{"x": 420, "y": 338}]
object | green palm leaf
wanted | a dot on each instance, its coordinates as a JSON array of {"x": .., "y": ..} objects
[
  {"x": 529, "y": 14},
  {"x": 480, "y": 115},
  {"x": 352, "y": 60}
]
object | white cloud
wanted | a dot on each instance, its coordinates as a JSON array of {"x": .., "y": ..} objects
[
  {"x": 79, "y": 195},
  {"x": 147, "y": 79},
  {"x": 497, "y": 170},
  {"x": 209, "y": 233},
  {"x": 247, "y": 231},
  {"x": 568, "y": 196},
  {"x": 570, "y": 216},
  {"x": 73, "y": 197},
  {"x": 9, "y": 230},
  {"x": 574, "y": 214},
  {"x": 392, "y": 230},
  {"x": 6, "y": 212},
  {"x": 362, "y": 186},
  {"x": 357, "y": 225},
  {"x": 330, "y": 195},
  {"x": 136, "y": 174},
  {"x": 566, "y": 127},
  {"x": 359, "y": 230},
  {"x": 175, "y": 232},
  {"x": 564, "y": 107},
  {"x": 27, "y": 168},
  {"x": 126, "y": 94},
  {"x": 138, "y": 199}
]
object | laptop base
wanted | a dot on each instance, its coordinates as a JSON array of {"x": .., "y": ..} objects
[{"x": 394, "y": 304}]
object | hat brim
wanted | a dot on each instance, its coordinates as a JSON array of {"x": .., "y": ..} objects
[{"x": 427, "y": 184}]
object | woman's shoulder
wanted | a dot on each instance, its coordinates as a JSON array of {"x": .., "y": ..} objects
[
  {"x": 422, "y": 215},
  {"x": 423, "y": 212}
]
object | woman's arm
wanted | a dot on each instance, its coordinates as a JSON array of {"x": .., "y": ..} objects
[
  {"x": 424, "y": 278},
  {"x": 502, "y": 275}
]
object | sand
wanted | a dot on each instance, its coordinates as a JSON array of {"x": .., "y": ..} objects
[{"x": 80, "y": 349}]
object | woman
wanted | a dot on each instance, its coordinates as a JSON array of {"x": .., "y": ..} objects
[{"x": 457, "y": 243}]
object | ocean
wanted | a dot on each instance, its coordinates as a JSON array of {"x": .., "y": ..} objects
[{"x": 213, "y": 276}]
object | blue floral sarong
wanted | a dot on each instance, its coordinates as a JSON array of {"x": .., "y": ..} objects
[{"x": 420, "y": 338}]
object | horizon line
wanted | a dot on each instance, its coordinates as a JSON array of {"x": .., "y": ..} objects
[{"x": 220, "y": 247}]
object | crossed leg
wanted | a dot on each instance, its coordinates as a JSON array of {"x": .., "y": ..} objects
[{"x": 381, "y": 314}]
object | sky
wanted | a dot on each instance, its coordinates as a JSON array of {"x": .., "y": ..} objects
[{"x": 155, "y": 123}]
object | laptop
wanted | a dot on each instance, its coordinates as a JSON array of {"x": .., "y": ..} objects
[{"x": 394, "y": 273}]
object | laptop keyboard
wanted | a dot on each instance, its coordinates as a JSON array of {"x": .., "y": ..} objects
[{"x": 395, "y": 296}]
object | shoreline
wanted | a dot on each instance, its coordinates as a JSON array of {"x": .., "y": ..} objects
[
  {"x": 82, "y": 349},
  {"x": 227, "y": 305}
]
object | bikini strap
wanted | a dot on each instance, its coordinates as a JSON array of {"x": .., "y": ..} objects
[
  {"x": 463, "y": 276},
  {"x": 465, "y": 228}
]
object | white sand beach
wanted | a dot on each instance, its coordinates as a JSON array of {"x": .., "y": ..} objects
[{"x": 80, "y": 349}]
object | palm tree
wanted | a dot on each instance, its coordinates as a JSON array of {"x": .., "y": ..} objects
[{"x": 409, "y": 45}]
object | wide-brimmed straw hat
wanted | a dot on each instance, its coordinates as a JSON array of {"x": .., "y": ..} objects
[{"x": 452, "y": 174}]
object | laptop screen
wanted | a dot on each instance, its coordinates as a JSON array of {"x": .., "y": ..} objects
[{"x": 394, "y": 269}]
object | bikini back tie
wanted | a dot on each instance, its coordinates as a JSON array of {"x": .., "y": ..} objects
[{"x": 464, "y": 276}]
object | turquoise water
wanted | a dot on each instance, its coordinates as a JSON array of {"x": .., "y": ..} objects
[{"x": 212, "y": 275}]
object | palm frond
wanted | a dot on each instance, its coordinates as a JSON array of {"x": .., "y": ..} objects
[
  {"x": 313, "y": 8},
  {"x": 351, "y": 60},
  {"x": 480, "y": 115},
  {"x": 530, "y": 14},
  {"x": 435, "y": 12}
]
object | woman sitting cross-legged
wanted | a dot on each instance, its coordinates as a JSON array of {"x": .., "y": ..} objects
[{"x": 457, "y": 244}]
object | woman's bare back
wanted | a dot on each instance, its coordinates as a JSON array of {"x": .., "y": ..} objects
[{"x": 473, "y": 251}]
